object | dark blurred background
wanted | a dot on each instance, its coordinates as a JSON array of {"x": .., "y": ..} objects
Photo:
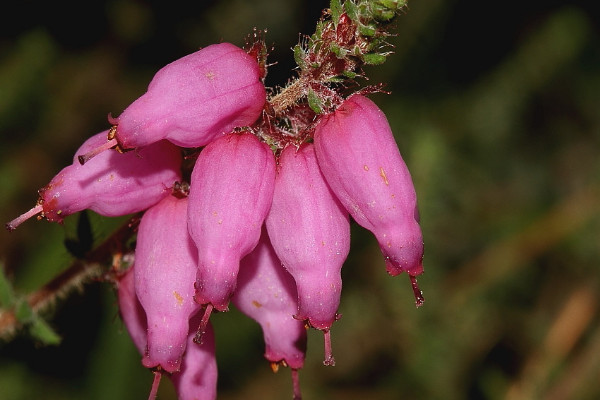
[{"x": 496, "y": 110}]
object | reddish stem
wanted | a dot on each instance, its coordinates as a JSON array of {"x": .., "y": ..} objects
[
  {"x": 296, "y": 384},
  {"x": 203, "y": 323},
  {"x": 419, "y": 299},
  {"x": 155, "y": 384},
  {"x": 12, "y": 225},
  {"x": 94, "y": 152},
  {"x": 329, "y": 360}
]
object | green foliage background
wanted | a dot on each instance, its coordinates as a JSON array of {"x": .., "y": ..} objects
[{"x": 496, "y": 111}]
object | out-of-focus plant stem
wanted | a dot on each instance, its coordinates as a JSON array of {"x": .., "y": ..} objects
[{"x": 94, "y": 266}]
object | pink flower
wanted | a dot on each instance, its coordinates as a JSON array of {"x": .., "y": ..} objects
[
  {"x": 166, "y": 262},
  {"x": 310, "y": 232},
  {"x": 230, "y": 194},
  {"x": 266, "y": 292},
  {"x": 359, "y": 158},
  {"x": 111, "y": 184},
  {"x": 191, "y": 101},
  {"x": 131, "y": 311},
  {"x": 197, "y": 377}
]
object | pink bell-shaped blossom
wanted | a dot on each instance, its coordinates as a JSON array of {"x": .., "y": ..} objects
[
  {"x": 197, "y": 377},
  {"x": 112, "y": 184},
  {"x": 230, "y": 194},
  {"x": 310, "y": 232},
  {"x": 266, "y": 292},
  {"x": 192, "y": 100},
  {"x": 360, "y": 159},
  {"x": 131, "y": 311},
  {"x": 166, "y": 262}
]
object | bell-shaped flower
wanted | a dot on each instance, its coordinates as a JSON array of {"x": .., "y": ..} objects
[
  {"x": 310, "y": 232},
  {"x": 112, "y": 184},
  {"x": 230, "y": 194},
  {"x": 131, "y": 311},
  {"x": 266, "y": 292},
  {"x": 197, "y": 378},
  {"x": 360, "y": 159},
  {"x": 166, "y": 262},
  {"x": 192, "y": 100}
]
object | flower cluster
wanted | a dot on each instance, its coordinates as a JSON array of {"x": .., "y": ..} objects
[{"x": 262, "y": 221}]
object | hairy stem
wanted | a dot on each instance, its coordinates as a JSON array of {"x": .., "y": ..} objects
[{"x": 78, "y": 274}]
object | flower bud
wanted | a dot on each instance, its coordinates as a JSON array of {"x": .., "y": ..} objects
[
  {"x": 166, "y": 260},
  {"x": 310, "y": 232},
  {"x": 230, "y": 194},
  {"x": 359, "y": 158},
  {"x": 266, "y": 292},
  {"x": 112, "y": 184}
]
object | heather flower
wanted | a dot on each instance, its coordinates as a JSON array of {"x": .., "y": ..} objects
[
  {"x": 361, "y": 162},
  {"x": 230, "y": 194},
  {"x": 197, "y": 377},
  {"x": 111, "y": 184},
  {"x": 310, "y": 232},
  {"x": 166, "y": 262},
  {"x": 192, "y": 100},
  {"x": 266, "y": 292},
  {"x": 130, "y": 309},
  {"x": 264, "y": 219}
]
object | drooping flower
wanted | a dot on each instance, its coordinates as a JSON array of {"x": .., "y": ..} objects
[
  {"x": 197, "y": 377},
  {"x": 266, "y": 292},
  {"x": 111, "y": 184},
  {"x": 166, "y": 262},
  {"x": 231, "y": 190},
  {"x": 310, "y": 232},
  {"x": 361, "y": 162},
  {"x": 192, "y": 100}
]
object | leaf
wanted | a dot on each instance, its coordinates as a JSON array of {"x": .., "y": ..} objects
[
  {"x": 336, "y": 10},
  {"x": 23, "y": 312},
  {"x": 374, "y": 58},
  {"x": 299, "y": 55},
  {"x": 41, "y": 330},
  {"x": 314, "y": 102}
]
